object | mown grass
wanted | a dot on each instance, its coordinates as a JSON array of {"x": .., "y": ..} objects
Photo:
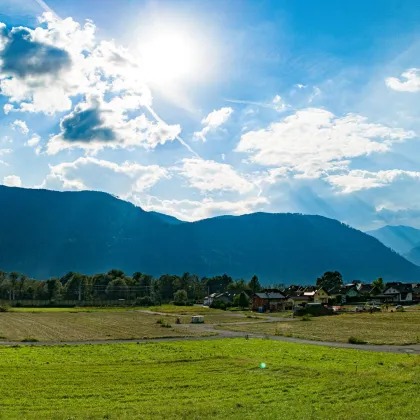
[
  {"x": 377, "y": 328},
  {"x": 82, "y": 326},
  {"x": 219, "y": 379}
]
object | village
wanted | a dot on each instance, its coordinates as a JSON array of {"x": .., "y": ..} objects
[{"x": 361, "y": 295}]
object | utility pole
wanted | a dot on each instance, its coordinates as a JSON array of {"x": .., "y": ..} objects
[{"x": 80, "y": 290}]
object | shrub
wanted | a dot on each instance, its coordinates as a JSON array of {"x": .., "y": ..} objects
[
  {"x": 30, "y": 340},
  {"x": 306, "y": 317},
  {"x": 4, "y": 307},
  {"x": 355, "y": 340},
  {"x": 145, "y": 301},
  {"x": 180, "y": 297}
]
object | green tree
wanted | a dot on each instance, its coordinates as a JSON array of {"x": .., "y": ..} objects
[
  {"x": 53, "y": 287},
  {"x": 21, "y": 284},
  {"x": 329, "y": 280},
  {"x": 379, "y": 283},
  {"x": 117, "y": 289},
  {"x": 238, "y": 285},
  {"x": 180, "y": 297},
  {"x": 241, "y": 300},
  {"x": 254, "y": 285},
  {"x": 13, "y": 277}
]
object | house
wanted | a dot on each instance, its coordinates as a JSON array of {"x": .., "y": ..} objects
[
  {"x": 318, "y": 295},
  {"x": 298, "y": 300},
  {"x": 269, "y": 300},
  {"x": 368, "y": 290},
  {"x": 396, "y": 292},
  {"x": 416, "y": 292},
  {"x": 217, "y": 297}
]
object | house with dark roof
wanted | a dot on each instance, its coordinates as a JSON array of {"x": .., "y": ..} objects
[
  {"x": 368, "y": 290},
  {"x": 396, "y": 292},
  {"x": 268, "y": 300}
]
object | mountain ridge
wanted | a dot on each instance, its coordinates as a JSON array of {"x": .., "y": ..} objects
[
  {"x": 400, "y": 238},
  {"x": 47, "y": 233}
]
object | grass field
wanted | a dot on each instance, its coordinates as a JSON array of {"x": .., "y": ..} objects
[
  {"x": 219, "y": 379},
  {"x": 75, "y": 326},
  {"x": 376, "y": 328}
]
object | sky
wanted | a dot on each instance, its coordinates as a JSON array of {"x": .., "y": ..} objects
[{"x": 199, "y": 108}]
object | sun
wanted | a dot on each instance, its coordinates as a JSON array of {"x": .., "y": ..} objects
[{"x": 168, "y": 56}]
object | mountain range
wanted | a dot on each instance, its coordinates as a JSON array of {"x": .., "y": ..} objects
[
  {"x": 48, "y": 233},
  {"x": 403, "y": 239}
]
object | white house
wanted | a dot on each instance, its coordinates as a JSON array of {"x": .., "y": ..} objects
[{"x": 397, "y": 292}]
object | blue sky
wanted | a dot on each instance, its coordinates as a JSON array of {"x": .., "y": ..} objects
[{"x": 202, "y": 108}]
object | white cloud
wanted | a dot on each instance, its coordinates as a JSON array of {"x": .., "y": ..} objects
[
  {"x": 191, "y": 210},
  {"x": 313, "y": 141},
  {"x": 357, "y": 180},
  {"x": 34, "y": 142},
  {"x": 410, "y": 84},
  {"x": 96, "y": 124},
  {"x": 214, "y": 120},
  {"x": 12, "y": 181},
  {"x": 208, "y": 175},
  {"x": 279, "y": 104},
  {"x": 21, "y": 126},
  {"x": 43, "y": 68},
  {"x": 88, "y": 173}
]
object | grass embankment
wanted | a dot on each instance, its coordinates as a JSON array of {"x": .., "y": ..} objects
[
  {"x": 377, "y": 328},
  {"x": 206, "y": 380},
  {"x": 82, "y": 326}
]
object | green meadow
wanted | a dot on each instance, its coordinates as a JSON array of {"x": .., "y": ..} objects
[{"x": 219, "y": 379}]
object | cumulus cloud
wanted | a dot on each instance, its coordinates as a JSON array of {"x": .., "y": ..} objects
[
  {"x": 95, "y": 124},
  {"x": 88, "y": 173},
  {"x": 42, "y": 68},
  {"x": 192, "y": 210},
  {"x": 45, "y": 69},
  {"x": 357, "y": 180},
  {"x": 410, "y": 82},
  {"x": 214, "y": 120},
  {"x": 12, "y": 181},
  {"x": 313, "y": 141},
  {"x": 21, "y": 126},
  {"x": 23, "y": 56},
  {"x": 208, "y": 175}
]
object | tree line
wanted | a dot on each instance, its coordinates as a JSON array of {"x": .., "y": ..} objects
[{"x": 115, "y": 284}]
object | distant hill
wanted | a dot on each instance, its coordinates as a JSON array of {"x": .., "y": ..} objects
[
  {"x": 48, "y": 233},
  {"x": 399, "y": 238},
  {"x": 413, "y": 255}
]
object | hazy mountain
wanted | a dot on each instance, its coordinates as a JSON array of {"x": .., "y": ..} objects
[
  {"x": 399, "y": 238},
  {"x": 47, "y": 233}
]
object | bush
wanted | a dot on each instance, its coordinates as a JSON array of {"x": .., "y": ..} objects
[
  {"x": 306, "y": 317},
  {"x": 355, "y": 340},
  {"x": 218, "y": 305},
  {"x": 145, "y": 301},
  {"x": 180, "y": 297},
  {"x": 30, "y": 340},
  {"x": 163, "y": 323},
  {"x": 4, "y": 307}
]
